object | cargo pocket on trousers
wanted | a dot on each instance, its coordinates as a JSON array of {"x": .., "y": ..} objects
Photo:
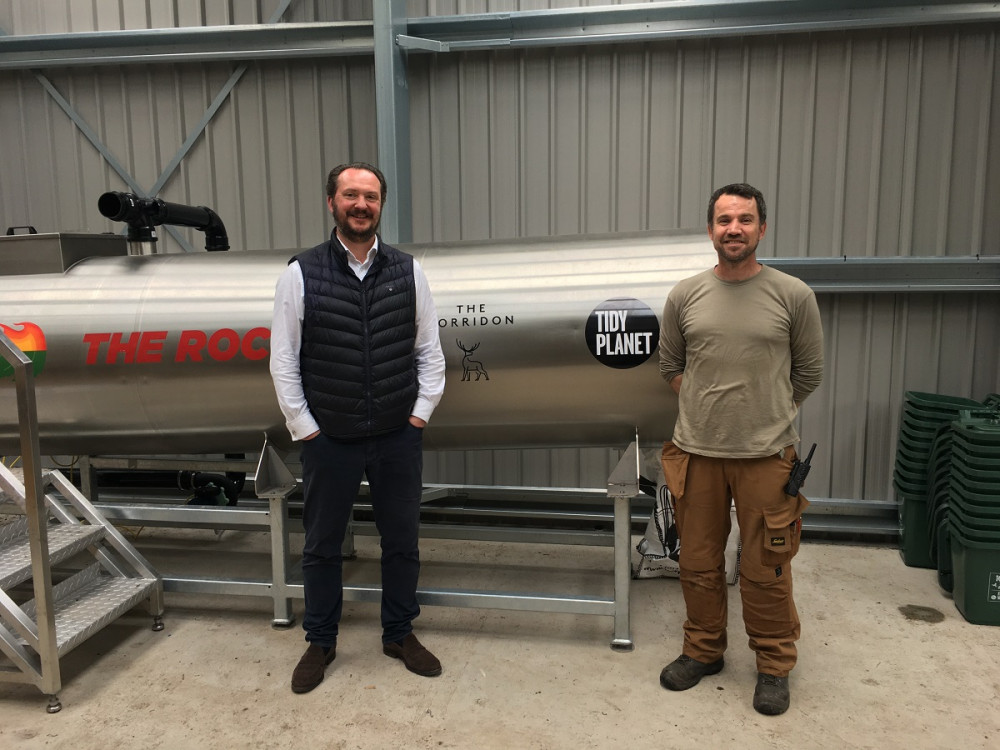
[
  {"x": 675, "y": 467},
  {"x": 783, "y": 531}
]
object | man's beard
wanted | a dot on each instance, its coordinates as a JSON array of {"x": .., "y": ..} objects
[
  {"x": 345, "y": 231},
  {"x": 741, "y": 256}
]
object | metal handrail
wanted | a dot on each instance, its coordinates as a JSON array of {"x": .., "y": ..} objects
[{"x": 36, "y": 514}]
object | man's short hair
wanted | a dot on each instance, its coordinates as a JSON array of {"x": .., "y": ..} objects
[
  {"x": 331, "y": 180},
  {"x": 743, "y": 190}
]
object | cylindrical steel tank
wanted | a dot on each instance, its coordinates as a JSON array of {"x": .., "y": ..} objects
[{"x": 548, "y": 342}]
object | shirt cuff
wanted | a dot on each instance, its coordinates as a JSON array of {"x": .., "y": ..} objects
[
  {"x": 422, "y": 409},
  {"x": 302, "y": 426}
]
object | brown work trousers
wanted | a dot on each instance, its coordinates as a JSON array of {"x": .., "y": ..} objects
[{"x": 770, "y": 524}]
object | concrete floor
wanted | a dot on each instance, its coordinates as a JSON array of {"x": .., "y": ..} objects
[{"x": 218, "y": 675}]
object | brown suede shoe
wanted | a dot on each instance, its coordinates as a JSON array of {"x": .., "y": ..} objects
[
  {"x": 416, "y": 658},
  {"x": 309, "y": 671}
]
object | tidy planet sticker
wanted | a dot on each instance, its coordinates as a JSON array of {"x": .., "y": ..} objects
[{"x": 622, "y": 333}]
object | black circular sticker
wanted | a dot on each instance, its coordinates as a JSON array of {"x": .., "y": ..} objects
[{"x": 622, "y": 333}]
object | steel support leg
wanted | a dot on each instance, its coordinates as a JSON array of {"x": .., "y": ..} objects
[
  {"x": 275, "y": 482},
  {"x": 624, "y": 483},
  {"x": 283, "y": 617},
  {"x": 623, "y": 573}
]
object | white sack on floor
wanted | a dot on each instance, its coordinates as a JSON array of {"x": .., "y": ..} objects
[{"x": 660, "y": 548}]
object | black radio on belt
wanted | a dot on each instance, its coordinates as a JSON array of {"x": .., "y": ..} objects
[{"x": 800, "y": 469}]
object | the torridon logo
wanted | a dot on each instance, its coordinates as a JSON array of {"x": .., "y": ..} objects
[{"x": 29, "y": 339}]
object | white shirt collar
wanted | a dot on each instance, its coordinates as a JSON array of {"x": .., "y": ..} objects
[{"x": 360, "y": 269}]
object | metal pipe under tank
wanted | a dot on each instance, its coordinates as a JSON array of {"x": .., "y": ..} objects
[{"x": 548, "y": 342}]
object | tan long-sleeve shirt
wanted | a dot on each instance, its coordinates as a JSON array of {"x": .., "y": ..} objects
[{"x": 750, "y": 352}]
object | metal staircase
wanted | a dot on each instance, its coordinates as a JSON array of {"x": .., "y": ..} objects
[{"x": 105, "y": 576}]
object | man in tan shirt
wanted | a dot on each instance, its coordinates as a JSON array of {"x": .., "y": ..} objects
[{"x": 742, "y": 346}]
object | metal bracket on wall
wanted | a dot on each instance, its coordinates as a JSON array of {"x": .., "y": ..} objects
[{"x": 419, "y": 43}]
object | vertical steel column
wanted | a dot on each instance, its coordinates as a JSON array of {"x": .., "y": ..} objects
[{"x": 392, "y": 104}]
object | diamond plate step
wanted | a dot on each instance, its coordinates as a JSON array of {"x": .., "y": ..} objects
[
  {"x": 12, "y": 484},
  {"x": 65, "y": 540},
  {"x": 90, "y": 600}
]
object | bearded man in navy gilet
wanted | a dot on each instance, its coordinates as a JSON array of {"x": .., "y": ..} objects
[{"x": 358, "y": 369}]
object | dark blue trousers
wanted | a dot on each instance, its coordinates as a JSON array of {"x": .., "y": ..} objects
[{"x": 332, "y": 471}]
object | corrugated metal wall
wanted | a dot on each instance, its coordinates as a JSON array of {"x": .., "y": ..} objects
[
  {"x": 259, "y": 164},
  {"x": 874, "y": 143},
  {"x": 868, "y": 143}
]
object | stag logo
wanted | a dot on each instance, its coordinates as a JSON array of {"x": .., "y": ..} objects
[{"x": 470, "y": 365}]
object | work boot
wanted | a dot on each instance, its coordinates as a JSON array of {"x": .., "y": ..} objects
[
  {"x": 771, "y": 696},
  {"x": 416, "y": 658},
  {"x": 684, "y": 672},
  {"x": 309, "y": 671}
]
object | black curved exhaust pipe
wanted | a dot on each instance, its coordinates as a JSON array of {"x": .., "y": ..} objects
[{"x": 142, "y": 214}]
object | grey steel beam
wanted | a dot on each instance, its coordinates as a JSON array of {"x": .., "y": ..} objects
[
  {"x": 102, "y": 149},
  {"x": 186, "y": 516},
  {"x": 192, "y": 463},
  {"x": 206, "y": 118},
  {"x": 187, "y": 44},
  {"x": 497, "y": 533},
  {"x": 895, "y": 274},
  {"x": 372, "y": 593},
  {"x": 95, "y": 141},
  {"x": 198, "y": 129},
  {"x": 665, "y": 20},
  {"x": 392, "y": 119},
  {"x": 216, "y": 586},
  {"x": 561, "y": 26},
  {"x": 189, "y": 142}
]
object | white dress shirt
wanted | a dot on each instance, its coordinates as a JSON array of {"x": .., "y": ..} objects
[{"x": 286, "y": 340}]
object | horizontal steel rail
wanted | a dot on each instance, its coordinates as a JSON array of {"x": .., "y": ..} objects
[
  {"x": 673, "y": 20},
  {"x": 471, "y": 31},
  {"x": 187, "y": 44},
  {"x": 894, "y": 274},
  {"x": 859, "y": 517},
  {"x": 372, "y": 593}
]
